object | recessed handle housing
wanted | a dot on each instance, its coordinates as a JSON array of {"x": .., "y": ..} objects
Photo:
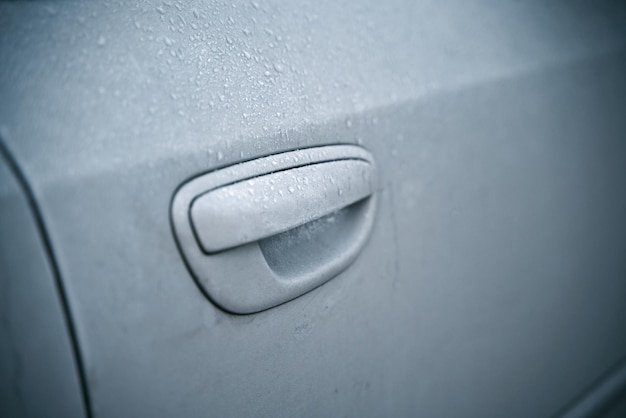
[{"x": 229, "y": 224}]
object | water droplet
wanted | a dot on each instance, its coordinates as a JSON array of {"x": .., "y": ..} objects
[
  {"x": 278, "y": 67},
  {"x": 220, "y": 156},
  {"x": 102, "y": 41},
  {"x": 348, "y": 123},
  {"x": 160, "y": 10}
]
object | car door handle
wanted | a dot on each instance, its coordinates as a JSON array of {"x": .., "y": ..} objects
[
  {"x": 260, "y": 207},
  {"x": 262, "y": 232}
]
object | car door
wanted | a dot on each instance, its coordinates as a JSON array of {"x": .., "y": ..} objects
[{"x": 489, "y": 282}]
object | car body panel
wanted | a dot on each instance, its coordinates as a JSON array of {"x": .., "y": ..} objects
[
  {"x": 493, "y": 281},
  {"x": 39, "y": 374}
]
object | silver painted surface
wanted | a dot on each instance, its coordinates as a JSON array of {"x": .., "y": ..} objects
[
  {"x": 606, "y": 398},
  {"x": 493, "y": 282},
  {"x": 38, "y": 376}
]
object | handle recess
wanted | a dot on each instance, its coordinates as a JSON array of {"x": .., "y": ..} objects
[{"x": 222, "y": 221}]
